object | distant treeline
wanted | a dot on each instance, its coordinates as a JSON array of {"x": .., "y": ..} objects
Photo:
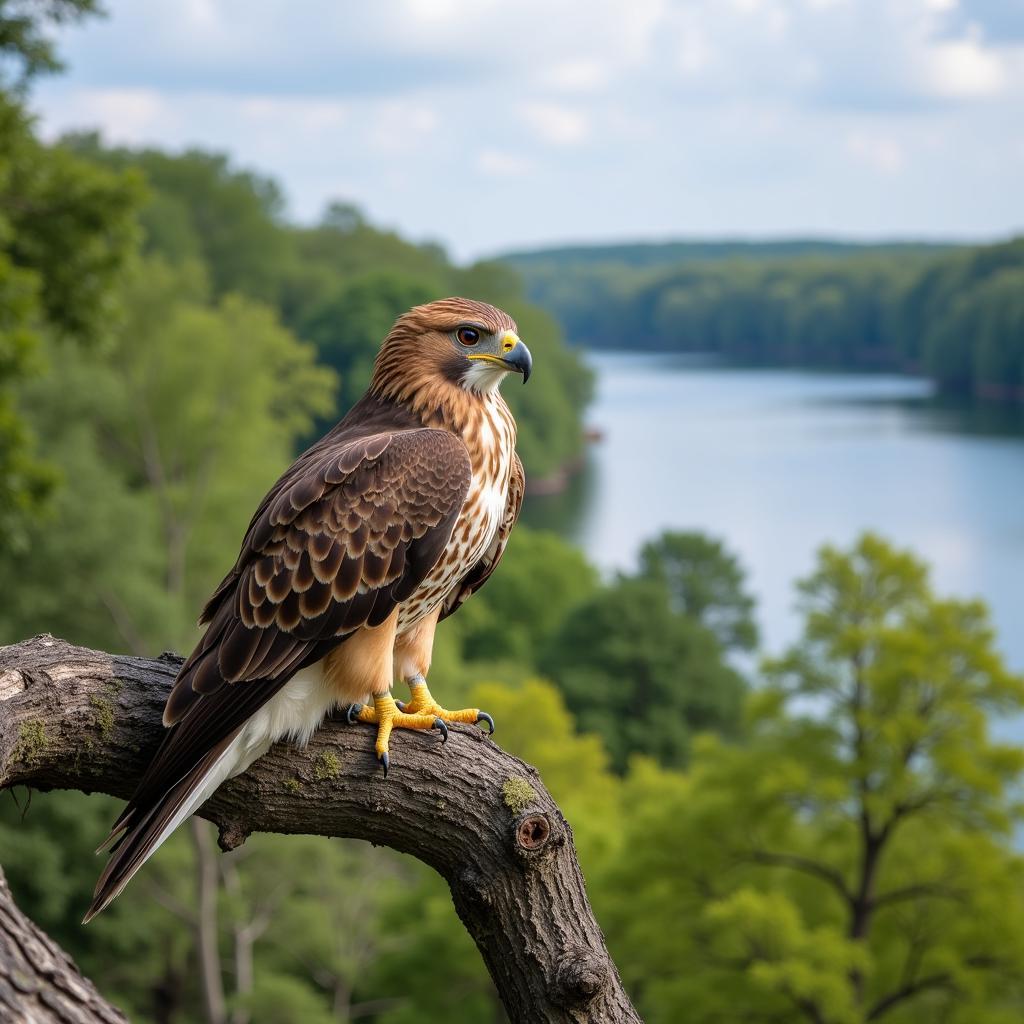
[
  {"x": 339, "y": 284},
  {"x": 953, "y": 314}
]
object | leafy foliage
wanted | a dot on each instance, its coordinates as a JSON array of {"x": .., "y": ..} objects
[
  {"x": 642, "y": 675},
  {"x": 66, "y": 229},
  {"x": 705, "y": 582},
  {"x": 26, "y": 47},
  {"x": 841, "y": 864},
  {"x": 163, "y": 448},
  {"x": 956, "y": 314}
]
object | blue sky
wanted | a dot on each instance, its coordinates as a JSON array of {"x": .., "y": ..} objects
[{"x": 492, "y": 124}]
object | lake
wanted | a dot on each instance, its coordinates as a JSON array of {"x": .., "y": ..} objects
[{"x": 777, "y": 462}]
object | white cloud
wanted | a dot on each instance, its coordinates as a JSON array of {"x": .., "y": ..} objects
[
  {"x": 309, "y": 116},
  {"x": 699, "y": 116},
  {"x": 695, "y": 51},
  {"x": 128, "y": 116},
  {"x": 576, "y": 76},
  {"x": 964, "y": 69},
  {"x": 561, "y": 126},
  {"x": 501, "y": 164},
  {"x": 878, "y": 152},
  {"x": 398, "y": 126}
]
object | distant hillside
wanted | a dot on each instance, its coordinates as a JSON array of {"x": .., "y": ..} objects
[
  {"x": 641, "y": 255},
  {"x": 954, "y": 313}
]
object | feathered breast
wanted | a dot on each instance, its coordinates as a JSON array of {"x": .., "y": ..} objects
[{"x": 490, "y": 437}]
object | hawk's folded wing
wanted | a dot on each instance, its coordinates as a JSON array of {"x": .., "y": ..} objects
[{"x": 348, "y": 533}]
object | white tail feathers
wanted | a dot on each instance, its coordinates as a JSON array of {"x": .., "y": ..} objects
[{"x": 293, "y": 713}]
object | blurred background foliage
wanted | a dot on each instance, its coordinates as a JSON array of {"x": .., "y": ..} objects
[
  {"x": 834, "y": 844},
  {"x": 954, "y": 314}
]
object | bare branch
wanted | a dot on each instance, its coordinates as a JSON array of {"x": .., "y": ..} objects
[
  {"x": 919, "y": 890},
  {"x": 925, "y": 983},
  {"x": 71, "y": 718},
  {"x": 907, "y": 991},
  {"x": 805, "y": 865}
]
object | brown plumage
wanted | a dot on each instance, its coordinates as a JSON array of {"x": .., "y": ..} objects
[{"x": 382, "y": 527}]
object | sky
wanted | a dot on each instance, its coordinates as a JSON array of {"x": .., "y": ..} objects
[{"x": 490, "y": 125}]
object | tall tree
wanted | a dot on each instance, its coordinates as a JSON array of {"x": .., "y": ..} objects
[
  {"x": 854, "y": 860},
  {"x": 66, "y": 228},
  {"x": 642, "y": 675},
  {"x": 163, "y": 446},
  {"x": 705, "y": 582}
]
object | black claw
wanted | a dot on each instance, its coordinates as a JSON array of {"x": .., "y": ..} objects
[
  {"x": 400, "y": 704},
  {"x": 482, "y": 716},
  {"x": 439, "y": 723},
  {"x": 384, "y": 762},
  {"x": 353, "y": 710}
]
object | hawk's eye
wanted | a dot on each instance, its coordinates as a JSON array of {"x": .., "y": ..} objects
[{"x": 468, "y": 335}]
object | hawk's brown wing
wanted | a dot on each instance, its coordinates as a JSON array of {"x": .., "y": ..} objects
[
  {"x": 481, "y": 572},
  {"x": 349, "y": 532}
]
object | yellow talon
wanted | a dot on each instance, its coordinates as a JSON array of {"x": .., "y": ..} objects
[
  {"x": 422, "y": 702},
  {"x": 386, "y": 715}
]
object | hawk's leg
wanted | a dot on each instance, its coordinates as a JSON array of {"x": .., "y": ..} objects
[
  {"x": 386, "y": 715},
  {"x": 422, "y": 703},
  {"x": 413, "y": 651}
]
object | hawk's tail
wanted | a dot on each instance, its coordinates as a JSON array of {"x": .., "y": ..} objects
[{"x": 138, "y": 835}]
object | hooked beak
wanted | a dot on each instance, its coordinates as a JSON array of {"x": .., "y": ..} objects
[{"x": 518, "y": 358}]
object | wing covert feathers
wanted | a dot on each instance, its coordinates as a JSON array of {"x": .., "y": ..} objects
[{"x": 348, "y": 532}]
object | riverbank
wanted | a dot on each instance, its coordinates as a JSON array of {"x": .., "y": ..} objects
[{"x": 558, "y": 481}]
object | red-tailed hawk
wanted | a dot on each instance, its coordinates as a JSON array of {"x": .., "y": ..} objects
[{"x": 382, "y": 528}]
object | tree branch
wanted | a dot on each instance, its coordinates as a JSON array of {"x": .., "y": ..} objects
[
  {"x": 925, "y": 983},
  {"x": 72, "y": 718},
  {"x": 816, "y": 869},
  {"x": 38, "y": 980},
  {"x": 914, "y": 892}
]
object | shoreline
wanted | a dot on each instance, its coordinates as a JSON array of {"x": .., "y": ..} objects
[{"x": 557, "y": 481}]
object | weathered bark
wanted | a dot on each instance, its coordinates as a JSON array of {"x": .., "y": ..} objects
[
  {"x": 72, "y": 718},
  {"x": 39, "y": 983}
]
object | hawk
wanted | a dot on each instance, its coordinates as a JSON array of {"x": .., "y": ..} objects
[{"x": 370, "y": 538}]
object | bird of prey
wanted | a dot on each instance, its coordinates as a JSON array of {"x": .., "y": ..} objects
[{"x": 382, "y": 528}]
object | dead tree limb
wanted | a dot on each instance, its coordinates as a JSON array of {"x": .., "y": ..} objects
[{"x": 72, "y": 718}]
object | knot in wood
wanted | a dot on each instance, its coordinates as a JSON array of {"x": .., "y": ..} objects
[
  {"x": 579, "y": 976},
  {"x": 231, "y": 835},
  {"x": 474, "y": 887},
  {"x": 533, "y": 832}
]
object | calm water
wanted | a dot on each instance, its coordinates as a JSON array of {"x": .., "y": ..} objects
[{"x": 778, "y": 462}]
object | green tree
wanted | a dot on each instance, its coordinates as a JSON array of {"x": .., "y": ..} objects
[
  {"x": 952, "y": 313},
  {"x": 514, "y": 617},
  {"x": 642, "y": 675},
  {"x": 853, "y": 861},
  {"x": 213, "y": 404},
  {"x": 27, "y": 47},
  {"x": 705, "y": 582},
  {"x": 347, "y": 327},
  {"x": 66, "y": 228},
  {"x": 164, "y": 448},
  {"x": 200, "y": 207}
]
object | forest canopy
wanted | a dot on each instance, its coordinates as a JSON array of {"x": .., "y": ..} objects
[{"x": 954, "y": 314}]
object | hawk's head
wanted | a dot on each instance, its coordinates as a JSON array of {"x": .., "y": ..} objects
[{"x": 455, "y": 342}]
